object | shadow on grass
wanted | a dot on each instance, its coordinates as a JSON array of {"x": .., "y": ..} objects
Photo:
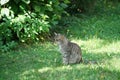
[
  {"x": 44, "y": 62},
  {"x": 79, "y": 72}
]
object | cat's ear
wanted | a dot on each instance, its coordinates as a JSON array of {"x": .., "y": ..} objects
[{"x": 55, "y": 34}]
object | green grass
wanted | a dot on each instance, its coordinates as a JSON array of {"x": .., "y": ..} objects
[{"x": 99, "y": 38}]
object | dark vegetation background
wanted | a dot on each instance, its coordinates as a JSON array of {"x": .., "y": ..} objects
[{"x": 29, "y": 21}]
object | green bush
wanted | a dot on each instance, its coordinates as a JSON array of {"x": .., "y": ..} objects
[
  {"x": 29, "y": 20},
  {"x": 29, "y": 27}
]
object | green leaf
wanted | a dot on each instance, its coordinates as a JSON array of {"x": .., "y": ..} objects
[
  {"x": 66, "y": 1},
  {"x": 2, "y": 2},
  {"x": 5, "y": 11},
  {"x": 63, "y": 5},
  {"x": 26, "y": 1},
  {"x": 49, "y": 7},
  {"x": 37, "y": 8},
  {"x": 23, "y": 7},
  {"x": 54, "y": 22}
]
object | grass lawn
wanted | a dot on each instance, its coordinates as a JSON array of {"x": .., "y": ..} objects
[{"x": 99, "y": 38}]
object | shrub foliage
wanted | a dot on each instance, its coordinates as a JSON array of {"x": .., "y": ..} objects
[{"x": 24, "y": 20}]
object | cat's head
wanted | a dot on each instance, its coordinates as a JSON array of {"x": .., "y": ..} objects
[{"x": 59, "y": 39}]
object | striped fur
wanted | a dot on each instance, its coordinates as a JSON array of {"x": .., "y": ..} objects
[{"x": 71, "y": 52}]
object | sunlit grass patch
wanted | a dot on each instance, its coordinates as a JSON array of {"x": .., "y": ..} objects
[
  {"x": 99, "y": 45},
  {"x": 90, "y": 44},
  {"x": 115, "y": 63}
]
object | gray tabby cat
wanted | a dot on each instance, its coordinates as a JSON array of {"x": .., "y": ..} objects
[{"x": 71, "y": 52}]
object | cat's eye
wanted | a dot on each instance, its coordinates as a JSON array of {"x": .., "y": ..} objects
[{"x": 57, "y": 39}]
